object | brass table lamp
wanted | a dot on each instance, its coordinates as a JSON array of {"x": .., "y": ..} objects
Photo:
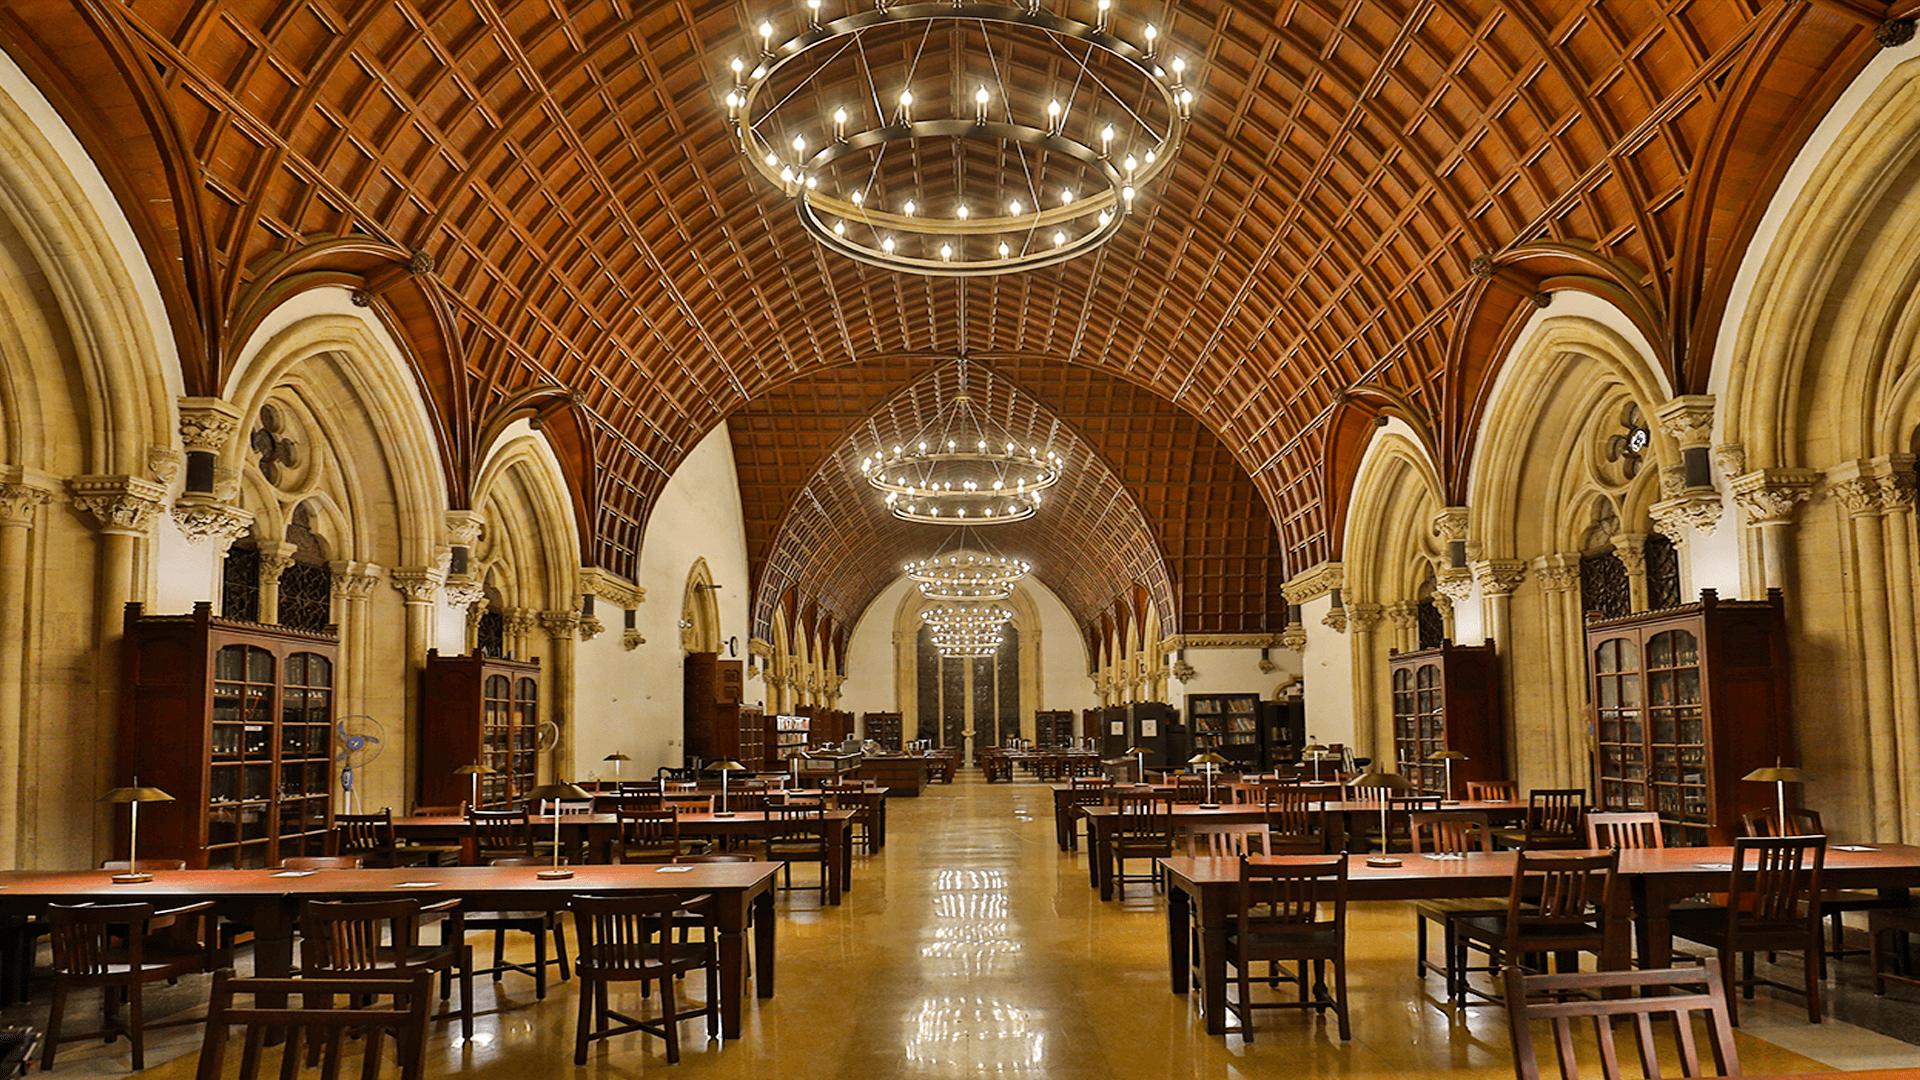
[
  {"x": 473, "y": 773},
  {"x": 1448, "y": 757},
  {"x": 1780, "y": 776},
  {"x": 725, "y": 767},
  {"x": 1391, "y": 782},
  {"x": 1212, "y": 760},
  {"x": 133, "y": 797},
  {"x": 555, "y": 792}
]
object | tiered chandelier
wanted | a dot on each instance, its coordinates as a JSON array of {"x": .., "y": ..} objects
[
  {"x": 962, "y": 468},
  {"x": 967, "y": 585},
  {"x": 1009, "y": 175}
]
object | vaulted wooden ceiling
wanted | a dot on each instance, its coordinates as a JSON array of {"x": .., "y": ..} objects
[{"x": 1370, "y": 195}]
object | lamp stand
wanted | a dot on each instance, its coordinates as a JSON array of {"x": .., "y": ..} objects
[
  {"x": 1210, "y": 804},
  {"x": 1383, "y": 859},
  {"x": 1449, "y": 800},
  {"x": 556, "y": 872},
  {"x": 133, "y": 875},
  {"x": 724, "y": 812},
  {"x": 1780, "y": 794}
]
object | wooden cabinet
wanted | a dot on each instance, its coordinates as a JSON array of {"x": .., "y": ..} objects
[
  {"x": 1053, "y": 727},
  {"x": 1447, "y": 698},
  {"x": 1228, "y": 724},
  {"x": 883, "y": 728},
  {"x": 478, "y": 710},
  {"x": 715, "y": 725},
  {"x": 1685, "y": 702},
  {"x": 235, "y": 720},
  {"x": 787, "y": 736}
]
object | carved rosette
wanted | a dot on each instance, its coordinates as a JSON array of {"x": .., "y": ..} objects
[
  {"x": 1499, "y": 577},
  {"x": 630, "y": 640},
  {"x": 203, "y": 519},
  {"x": 591, "y": 627},
  {"x": 560, "y": 625},
  {"x": 420, "y": 585},
  {"x": 119, "y": 504},
  {"x": 19, "y": 501},
  {"x": 1770, "y": 496},
  {"x": 1365, "y": 618},
  {"x": 1688, "y": 420},
  {"x": 1694, "y": 509},
  {"x": 1454, "y": 583},
  {"x": 465, "y": 590}
]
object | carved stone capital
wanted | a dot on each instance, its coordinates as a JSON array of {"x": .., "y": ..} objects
[
  {"x": 464, "y": 527},
  {"x": 1403, "y": 614},
  {"x": 630, "y": 640},
  {"x": 465, "y": 590},
  {"x": 1450, "y": 524},
  {"x": 1687, "y": 419},
  {"x": 1693, "y": 509},
  {"x": 18, "y": 501},
  {"x": 353, "y": 580},
  {"x": 1631, "y": 550},
  {"x": 1455, "y": 583},
  {"x": 274, "y": 560},
  {"x": 1557, "y": 573},
  {"x": 519, "y": 621},
  {"x": 591, "y": 627},
  {"x": 1365, "y": 618},
  {"x": 419, "y": 584},
  {"x": 560, "y": 625},
  {"x": 201, "y": 519},
  {"x": 1315, "y": 582},
  {"x": 1770, "y": 496},
  {"x": 207, "y": 424},
  {"x": 1499, "y": 577},
  {"x": 118, "y": 504},
  {"x": 1294, "y": 637}
]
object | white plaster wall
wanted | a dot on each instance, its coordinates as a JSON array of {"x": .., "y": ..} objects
[
  {"x": 183, "y": 573},
  {"x": 1232, "y": 671},
  {"x": 1064, "y": 683},
  {"x": 631, "y": 701},
  {"x": 1327, "y": 671}
]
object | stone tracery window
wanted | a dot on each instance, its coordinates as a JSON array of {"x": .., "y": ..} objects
[
  {"x": 306, "y": 587},
  {"x": 240, "y": 582}
]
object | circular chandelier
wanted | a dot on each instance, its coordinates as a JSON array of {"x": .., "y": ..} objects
[
  {"x": 967, "y": 576},
  {"x": 1020, "y": 139},
  {"x": 966, "y": 629},
  {"x": 954, "y": 644},
  {"x": 962, "y": 468}
]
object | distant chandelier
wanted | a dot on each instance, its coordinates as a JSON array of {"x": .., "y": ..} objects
[
  {"x": 966, "y": 629},
  {"x": 963, "y": 469},
  {"x": 967, "y": 576},
  {"x": 958, "y": 645},
  {"x": 1016, "y": 178}
]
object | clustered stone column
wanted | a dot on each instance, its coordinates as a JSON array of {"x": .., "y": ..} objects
[
  {"x": 353, "y": 584},
  {"x": 1769, "y": 498},
  {"x": 20, "y": 504},
  {"x": 561, "y": 628},
  {"x": 1369, "y": 723},
  {"x": 1878, "y": 494},
  {"x": 1559, "y": 578}
]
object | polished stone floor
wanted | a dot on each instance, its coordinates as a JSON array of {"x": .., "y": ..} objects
[{"x": 971, "y": 948}]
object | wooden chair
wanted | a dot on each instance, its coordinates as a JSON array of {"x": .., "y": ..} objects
[
  {"x": 799, "y": 836},
  {"x": 1628, "y": 830},
  {"x": 363, "y": 938},
  {"x": 688, "y": 802},
  {"x": 438, "y": 852},
  {"x": 1189, "y": 790},
  {"x": 631, "y": 939},
  {"x": 1292, "y": 912},
  {"x": 1553, "y": 821},
  {"x": 1834, "y": 903},
  {"x": 1226, "y": 841},
  {"x": 370, "y": 838},
  {"x": 1774, "y": 906},
  {"x": 1294, "y": 826},
  {"x": 538, "y": 924},
  {"x": 1448, "y": 832},
  {"x": 1493, "y": 790},
  {"x": 106, "y": 946},
  {"x": 1559, "y": 906},
  {"x": 1800, "y": 822},
  {"x": 1143, "y": 830},
  {"x": 322, "y": 1025},
  {"x": 651, "y": 836},
  {"x": 1086, "y": 792},
  {"x": 1887, "y": 932},
  {"x": 997, "y": 767},
  {"x": 1709, "y": 1000},
  {"x": 499, "y": 834}
]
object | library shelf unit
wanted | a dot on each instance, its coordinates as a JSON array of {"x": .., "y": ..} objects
[
  {"x": 478, "y": 710},
  {"x": 1447, "y": 698}
]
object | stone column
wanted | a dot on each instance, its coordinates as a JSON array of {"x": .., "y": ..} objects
[
  {"x": 557, "y": 702},
  {"x": 1559, "y": 577},
  {"x": 353, "y": 584},
  {"x": 1768, "y": 498},
  {"x": 418, "y": 586},
  {"x": 1897, "y": 494},
  {"x": 20, "y": 503},
  {"x": 1497, "y": 579},
  {"x": 1404, "y": 617},
  {"x": 516, "y": 629},
  {"x": 1855, "y": 484},
  {"x": 1363, "y": 621},
  {"x": 1631, "y": 549},
  {"x": 274, "y": 560}
]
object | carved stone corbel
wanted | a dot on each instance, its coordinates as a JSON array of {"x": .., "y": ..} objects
[
  {"x": 1499, "y": 577},
  {"x": 1771, "y": 496},
  {"x": 202, "y": 518},
  {"x": 560, "y": 624},
  {"x": 418, "y": 584},
  {"x": 630, "y": 640},
  {"x": 118, "y": 504}
]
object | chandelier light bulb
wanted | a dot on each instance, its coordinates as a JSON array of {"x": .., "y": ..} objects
[
  {"x": 1152, "y": 35},
  {"x": 1004, "y": 250},
  {"x": 1014, "y": 208},
  {"x": 887, "y": 244},
  {"x": 858, "y": 199},
  {"x": 908, "y": 208},
  {"x": 733, "y": 100},
  {"x": 1130, "y": 164},
  {"x": 773, "y": 159},
  {"x": 980, "y": 100},
  {"x": 1127, "y": 194},
  {"x": 946, "y": 251},
  {"x": 799, "y": 144},
  {"x": 766, "y": 35},
  {"x": 1105, "y": 217},
  {"x": 738, "y": 65},
  {"x": 839, "y": 228},
  {"x": 961, "y": 212},
  {"x": 1066, "y": 197},
  {"x": 1059, "y": 238}
]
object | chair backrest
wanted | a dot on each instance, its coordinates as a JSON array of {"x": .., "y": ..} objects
[
  {"x": 1492, "y": 790},
  {"x": 1143, "y": 816},
  {"x": 1800, "y": 822},
  {"x": 83, "y": 943},
  {"x": 1189, "y": 789},
  {"x": 651, "y": 829},
  {"x": 1554, "y": 813},
  {"x": 690, "y": 803},
  {"x": 1450, "y": 832},
  {"x": 406, "y": 1018},
  {"x": 322, "y": 862},
  {"x": 1707, "y": 997},
  {"x": 364, "y": 834},
  {"x": 501, "y": 830},
  {"x": 1625, "y": 829},
  {"x": 1776, "y": 881},
  {"x": 1560, "y": 899},
  {"x": 459, "y": 810},
  {"x": 1296, "y": 895},
  {"x": 627, "y": 934},
  {"x": 1290, "y": 811},
  {"x": 347, "y": 935},
  {"x": 1090, "y": 781},
  {"x": 1221, "y": 841}
]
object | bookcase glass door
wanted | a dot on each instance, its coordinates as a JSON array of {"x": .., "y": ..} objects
[
  {"x": 1419, "y": 726},
  {"x": 1678, "y": 735},
  {"x": 496, "y": 729},
  {"x": 526, "y": 732},
  {"x": 306, "y": 755},
  {"x": 241, "y": 788},
  {"x": 1620, "y": 737}
]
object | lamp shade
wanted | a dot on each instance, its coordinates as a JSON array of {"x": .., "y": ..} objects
[
  {"x": 1135, "y": 749},
  {"x": 474, "y": 770},
  {"x": 135, "y": 794},
  {"x": 1208, "y": 758},
  {"x": 1376, "y": 779},
  {"x": 1446, "y": 755},
  {"x": 616, "y": 756},
  {"x": 1780, "y": 774},
  {"x": 728, "y": 765},
  {"x": 560, "y": 790}
]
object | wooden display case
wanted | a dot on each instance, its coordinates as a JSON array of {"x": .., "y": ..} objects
[
  {"x": 235, "y": 720},
  {"x": 1053, "y": 727},
  {"x": 883, "y": 728},
  {"x": 478, "y": 710},
  {"x": 1684, "y": 703},
  {"x": 1447, "y": 698},
  {"x": 1228, "y": 724}
]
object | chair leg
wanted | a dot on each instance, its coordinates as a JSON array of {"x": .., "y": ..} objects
[
  {"x": 465, "y": 961},
  {"x": 1876, "y": 956},
  {"x": 1816, "y": 970},
  {"x": 539, "y": 965},
  {"x": 137, "y": 1024},
  {"x": 1340, "y": 998},
  {"x": 1733, "y": 1000},
  {"x": 1246, "y": 999},
  {"x": 583, "y": 1025},
  {"x": 672, "y": 1026},
  {"x": 1420, "y": 946},
  {"x": 560, "y": 946},
  {"x": 499, "y": 957},
  {"x": 53, "y": 1021}
]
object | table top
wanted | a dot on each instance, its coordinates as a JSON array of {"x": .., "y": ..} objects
[
  {"x": 450, "y": 821},
  {"x": 450, "y": 881},
  {"x": 1499, "y": 864},
  {"x": 1194, "y": 810}
]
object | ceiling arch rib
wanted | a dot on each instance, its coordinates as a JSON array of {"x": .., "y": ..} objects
[{"x": 839, "y": 546}]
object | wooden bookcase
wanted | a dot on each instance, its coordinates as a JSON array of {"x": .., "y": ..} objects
[
  {"x": 478, "y": 710},
  {"x": 715, "y": 724},
  {"x": 883, "y": 728},
  {"x": 787, "y": 736},
  {"x": 1226, "y": 723},
  {"x": 1053, "y": 727},
  {"x": 752, "y": 736},
  {"x": 1447, "y": 698},
  {"x": 1685, "y": 702},
  {"x": 235, "y": 720}
]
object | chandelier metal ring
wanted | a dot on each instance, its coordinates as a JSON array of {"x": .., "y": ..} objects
[{"x": 925, "y": 243}]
